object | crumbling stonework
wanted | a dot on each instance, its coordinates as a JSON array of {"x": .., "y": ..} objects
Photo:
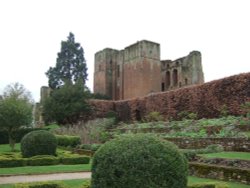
[
  {"x": 44, "y": 93},
  {"x": 137, "y": 71}
]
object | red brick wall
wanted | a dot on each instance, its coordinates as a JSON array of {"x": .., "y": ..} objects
[{"x": 206, "y": 100}]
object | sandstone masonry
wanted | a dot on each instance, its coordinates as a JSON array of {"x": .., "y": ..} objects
[{"x": 137, "y": 71}]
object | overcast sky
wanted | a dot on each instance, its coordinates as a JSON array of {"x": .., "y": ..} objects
[{"x": 31, "y": 32}]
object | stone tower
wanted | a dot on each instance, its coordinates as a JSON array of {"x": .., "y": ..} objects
[
  {"x": 137, "y": 71},
  {"x": 132, "y": 72}
]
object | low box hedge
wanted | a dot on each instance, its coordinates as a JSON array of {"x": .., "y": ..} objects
[
  {"x": 75, "y": 160},
  {"x": 66, "y": 140},
  {"x": 43, "y": 161},
  {"x": 12, "y": 162},
  {"x": 40, "y": 185},
  {"x": 208, "y": 185}
]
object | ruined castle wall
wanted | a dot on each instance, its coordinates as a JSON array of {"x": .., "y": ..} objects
[
  {"x": 105, "y": 74},
  {"x": 141, "y": 69},
  {"x": 206, "y": 100},
  {"x": 182, "y": 72}
]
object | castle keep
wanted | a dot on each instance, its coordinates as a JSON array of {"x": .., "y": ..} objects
[{"x": 137, "y": 71}]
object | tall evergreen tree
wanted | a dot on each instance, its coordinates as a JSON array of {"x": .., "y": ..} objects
[{"x": 70, "y": 65}]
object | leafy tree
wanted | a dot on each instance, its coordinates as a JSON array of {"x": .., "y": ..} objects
[
  {"x": 65, "y": 105},
  {"x": 15, "y": 110},
  {"x": 70, "y": 64}
]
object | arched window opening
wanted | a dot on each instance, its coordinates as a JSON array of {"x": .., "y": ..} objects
[
  {"x": 175, "y": 77},
  {"x": 167, "y": 79}
]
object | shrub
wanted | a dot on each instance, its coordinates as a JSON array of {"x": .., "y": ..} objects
[
  {"x": 138, "y": 161},
  {"x": 6, "y": 163},
  {"x": 208, "y": 185},
  {"x": 40, "y": 185},
  {"x": 75, "y": 160},
  {"x": 38, "y": 143},
  {"x": 154, "y": 116},
  {"x": 40, "y": 160},
  {"x": 86, "y": 184},
  {"x": 18, "y": 134},
  {"x": 65, "y": 140}
]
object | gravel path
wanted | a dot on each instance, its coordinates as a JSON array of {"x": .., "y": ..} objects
[{"x": 44, "y": 177}]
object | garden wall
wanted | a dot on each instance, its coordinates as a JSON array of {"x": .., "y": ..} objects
[
  {"x": 207, "y": 100},
  {"x": 219, "y": 172},
  {"x": 229, "y": 144}
]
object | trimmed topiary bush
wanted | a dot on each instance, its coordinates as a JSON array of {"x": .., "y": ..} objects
[
  {"x": 38, "y": 143},
  {"x": 139, "y": 160}
]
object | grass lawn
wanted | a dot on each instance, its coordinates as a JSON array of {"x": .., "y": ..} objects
[
  {"x": 78, "y": 182},
  {"x": 192, "y": 179},
  {"x": 228, "y": 155},
  {"x": 6, "y": 148},
  {"x": 45, "y": 169}
]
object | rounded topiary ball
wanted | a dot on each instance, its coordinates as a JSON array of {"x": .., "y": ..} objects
[
  {"x": 139, "y": 161},
  {"x": 39, "y": 142}
]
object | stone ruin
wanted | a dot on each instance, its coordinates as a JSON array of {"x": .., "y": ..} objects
[{"x": 138, "y": 71}]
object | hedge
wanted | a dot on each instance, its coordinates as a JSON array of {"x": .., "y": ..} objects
[
  {"x": 75, "y": 160},
  {"x": 66, "y": 140},
  {"x": 40, "y": 185},
  {"x": 208, "y": 185},
  {"x": 4, "y": 139},
  {"x": 206, "y": 100},
  {"x": 41, "y": 160},
  {"x": 138, "y": 160},
  {"x": 40, "y": 142}
]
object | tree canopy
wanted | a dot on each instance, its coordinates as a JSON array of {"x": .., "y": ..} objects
[
  {"x": 15, "y": 110},
  {"x": 70, "y": 64},
  {"x": 65, "y": 105}
]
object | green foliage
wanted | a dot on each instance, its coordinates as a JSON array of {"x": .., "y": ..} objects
[
  {"x": 208, "y": 185},
  {"x": 38, "y": 143},
  {"x": 246, "y": 108},
  {"x": 228, "y": 155},
  {"x": 65, "y": 105},
  {"x": 187, "y": 115},
  {"x": 224, "y": 111},
  {"x": 51, "y": 127},
  {"x": 18, "y": 134},
  {"x": 70, "y": 65},
  {"x": 86, "y": 184},
  {"x": 154, "y": 116},
  {"x": 92, "y": 147},
  {"x": 75, "y": 160},
  {"x": 65, "y": 140},
  {"x": 100, "y": 96},
  {"x": 138, "y": 161},
  {"x": 15, "y": 110},
  {"x": 43, "y": 160},
  {"x": 191, "y": 153},
  {"x": 12, "y": 162},
  {"x": 40, "y": 185}
]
